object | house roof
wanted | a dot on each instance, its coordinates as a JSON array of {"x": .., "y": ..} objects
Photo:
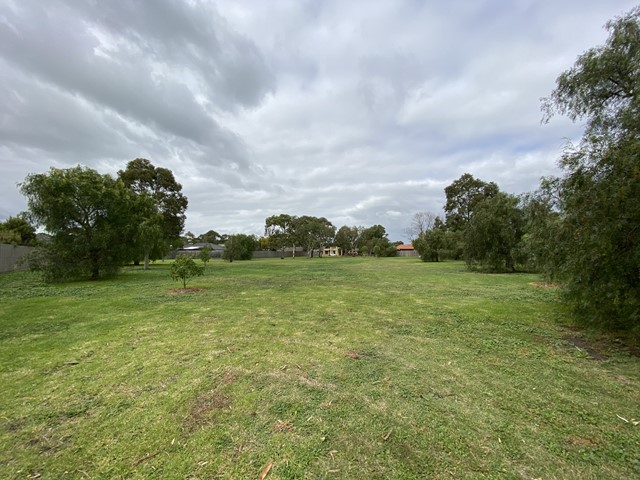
[
  {"x": 405, "y": 247},
  {"x": 200, "y": 246}
]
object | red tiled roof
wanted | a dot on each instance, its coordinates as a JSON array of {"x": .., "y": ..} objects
[{"x": 404, "y": 247}]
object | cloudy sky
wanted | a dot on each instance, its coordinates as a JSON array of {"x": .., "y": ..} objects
[{"x": 359, "y": 111}]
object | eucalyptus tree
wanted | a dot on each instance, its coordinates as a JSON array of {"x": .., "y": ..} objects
[{"x": 165, "y": 227}]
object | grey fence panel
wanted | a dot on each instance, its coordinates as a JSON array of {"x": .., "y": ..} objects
[{"x": 9, "y": 256}]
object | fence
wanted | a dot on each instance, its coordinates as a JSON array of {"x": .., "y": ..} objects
[
  {"x": 407, "y": 253},
  {"x": 9, "y": 256}
]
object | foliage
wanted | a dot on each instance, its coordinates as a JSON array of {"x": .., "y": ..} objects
[
  {"x": 184, "y": 267},
  {"x": 92, "y": 219},
  {"x": 10, "y": 237},
  {"x": 463, "y": 196},
  {"x": 205, "y": 255},
  {"x": 373, "y": 236},
  {"x": 144, "y": 179},
  {"x": 602, "y": 86},
  {"x": 541, "y": 249},
  {"x": 313, "y": 232},
  {"x": 430, "y": 243},
  {"x": 212, "y": 237},
  {"x": 240, "y": 247},
  {"x": 279, "y": 230},
  {"x": 494, "y": 233},
  {"x": 599, "y": 194},
  {"x": 17, "y": 231},
  {"x": 347, "y": 239}
]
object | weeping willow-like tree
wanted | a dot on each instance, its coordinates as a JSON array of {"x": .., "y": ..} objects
[{"x": 598, "y": 198}]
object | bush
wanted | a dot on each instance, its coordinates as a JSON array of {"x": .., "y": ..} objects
[{"x": 240, "y": 247}]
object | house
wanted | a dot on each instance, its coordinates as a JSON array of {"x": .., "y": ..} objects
[
  {"x": 194, "y": 249},
  {"x": 332, "y": 251},
  {"x": 406, "y": 251}
]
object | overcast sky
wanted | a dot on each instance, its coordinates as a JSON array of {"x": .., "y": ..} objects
[{"x": 359, "y": 111}]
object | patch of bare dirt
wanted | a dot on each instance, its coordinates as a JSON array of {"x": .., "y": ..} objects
[
  {"x": 581, "y": 442},
  {"x": 602, "y": 342},
  {"x": 182, "y": 291},
  {"x": 204, "y": 408},
  {"x": 585, "y": 346},
  {"x": 544, "y": 284},
  {"x": 282, "y": 426}
]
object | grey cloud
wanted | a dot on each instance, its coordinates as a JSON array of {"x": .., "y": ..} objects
[
  {"x": 62, "y": 51},
  {"x": 358, "y": 111}
]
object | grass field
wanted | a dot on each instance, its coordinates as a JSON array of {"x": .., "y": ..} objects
[{"x": 324, "y": 368}]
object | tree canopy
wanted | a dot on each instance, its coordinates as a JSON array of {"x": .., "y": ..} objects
[
  {"x": 144, "y": 179},
  {"x": 92, "y": 218},
  {"x": 494, "y": 233},
  {"x": 463, "y": 195},
  {"x": 240, "y": 247},
  {"x": 347, "y": 239},
  {"x": 18, "y": 231},
  {"x": 312, "y": 232},
  {"x": 279, "y": 230}
]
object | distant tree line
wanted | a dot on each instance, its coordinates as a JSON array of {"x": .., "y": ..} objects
[{"x": 315, "y": 233}]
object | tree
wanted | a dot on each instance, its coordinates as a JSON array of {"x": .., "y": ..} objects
[
  {"x": 279, "y": 230},
  {"x": 463, "y": 195},
  {"x": 10, "y": 237},
  {"x": 313, "y": 232},
  {"x": 493, "y": 234},
  {"x": 240, "y": 247},
  {"x": 92, "y": 219},
  {"x": 347, "y": 239},
  {"x": 184, "y": 267},
  {"x": 541, "y": 248},
  {"x": 205, "y": 255},
  {"x": 431, "y": 241},
  {"x": 159, "y": 184},
  {"x": 18, "y": 231},
  {"x": 149, "y": 236},
  {"x": 599, "y": 204},
  {"x": 421, "y": 222},
  {"x": 212, "y": 237},
  {"x": 375, "y": 235}
]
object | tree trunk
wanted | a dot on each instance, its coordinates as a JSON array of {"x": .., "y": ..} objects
[
  {"x": 509, "y": 264},
  {"x": 146, "y": 260},
  {"x": 95, "y": 266}
]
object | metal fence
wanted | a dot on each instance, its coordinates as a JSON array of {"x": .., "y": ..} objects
[{"x": 9, "y": 256}]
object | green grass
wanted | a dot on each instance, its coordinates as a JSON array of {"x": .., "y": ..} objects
[{"x": 329, "y": 368}]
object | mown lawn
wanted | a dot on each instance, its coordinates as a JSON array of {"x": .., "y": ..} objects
[{"x": 322, "y": 368}]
